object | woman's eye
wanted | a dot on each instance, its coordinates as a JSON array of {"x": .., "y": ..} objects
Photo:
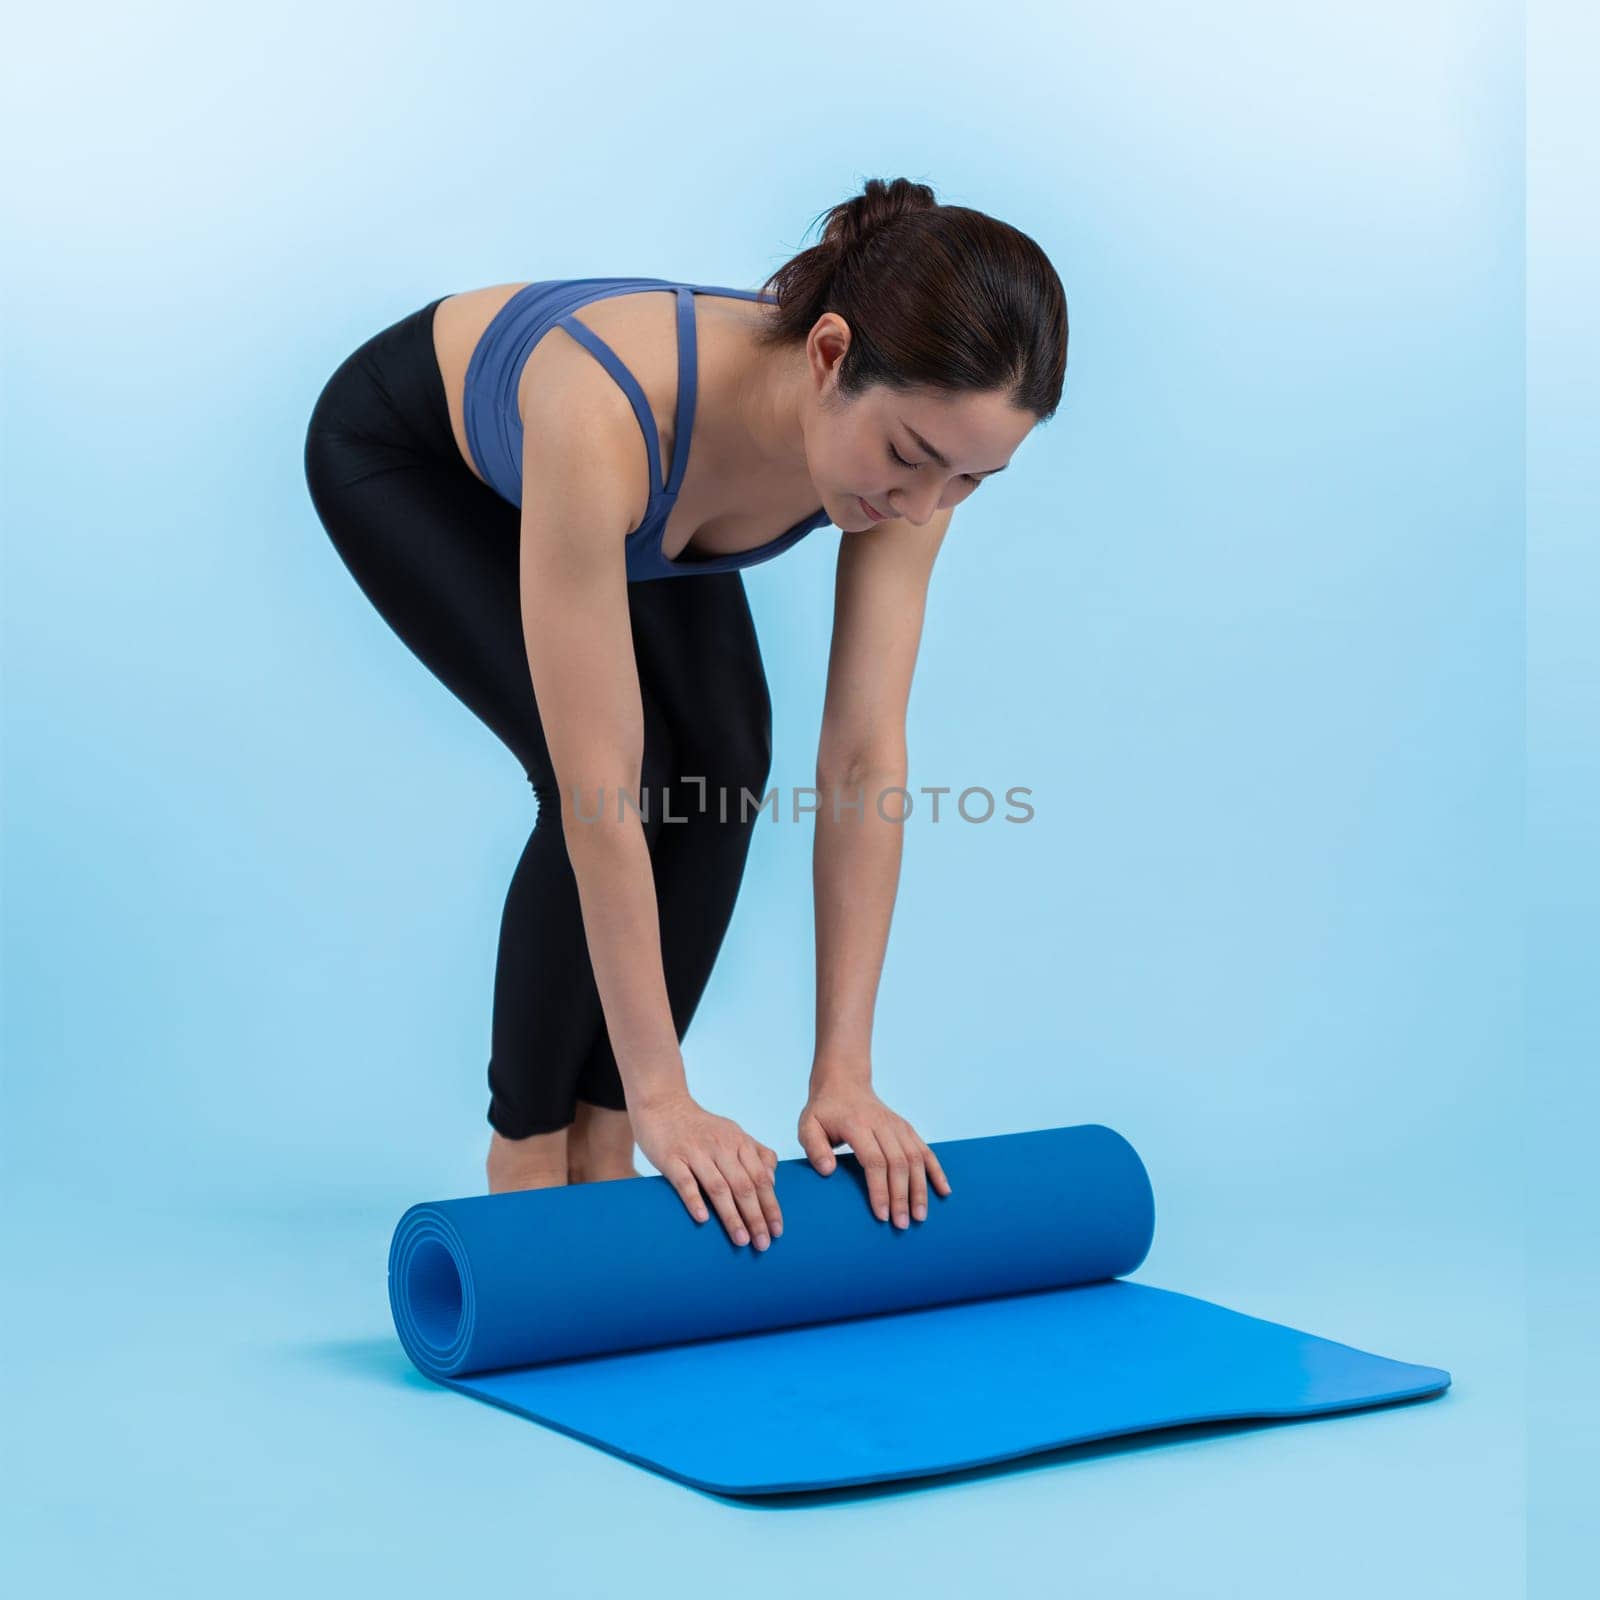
[{"x": 917, "y": 466}]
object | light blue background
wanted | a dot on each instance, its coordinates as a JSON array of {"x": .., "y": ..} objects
[
  {"x": 1563, "y": 783},
  {"x": 1247, "y": 617}
]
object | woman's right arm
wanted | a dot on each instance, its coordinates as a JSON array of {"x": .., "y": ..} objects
[{"x": 578, "y": 463}]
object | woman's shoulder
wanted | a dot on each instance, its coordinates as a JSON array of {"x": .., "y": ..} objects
[{"x": 579, "y": 431}]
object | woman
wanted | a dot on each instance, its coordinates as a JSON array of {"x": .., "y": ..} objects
[{"x": 478, "y": 467}]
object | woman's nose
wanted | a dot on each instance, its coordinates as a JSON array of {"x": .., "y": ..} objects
[{"x": 918, "y": 508}]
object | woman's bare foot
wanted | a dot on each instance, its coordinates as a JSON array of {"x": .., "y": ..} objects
[
  {"x": 539, "y": 1162},
  {"x": 599, "y": 1145}
]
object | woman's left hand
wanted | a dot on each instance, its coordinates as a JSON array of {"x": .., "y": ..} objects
[{"x": 897, "y": 1163}]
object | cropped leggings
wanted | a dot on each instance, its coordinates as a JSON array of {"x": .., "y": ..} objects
[{"x": 435, "y": 550}]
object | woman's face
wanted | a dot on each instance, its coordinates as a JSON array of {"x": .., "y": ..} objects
[{"x": 905, "y": 452}]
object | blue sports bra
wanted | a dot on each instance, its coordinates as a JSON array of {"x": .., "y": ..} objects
[{"x": 494, "y": 428}]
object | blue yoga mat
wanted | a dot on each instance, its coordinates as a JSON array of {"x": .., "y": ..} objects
[{"x": 852, "y": 1351}]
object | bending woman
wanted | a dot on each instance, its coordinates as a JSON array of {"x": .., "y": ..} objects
[{"x": 478, "y": 468}]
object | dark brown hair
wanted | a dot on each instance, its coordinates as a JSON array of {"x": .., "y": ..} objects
[{"x": 936, "y": 296}]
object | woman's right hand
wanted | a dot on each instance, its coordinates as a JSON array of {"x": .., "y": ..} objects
[{"x": 695, "y": 1150}]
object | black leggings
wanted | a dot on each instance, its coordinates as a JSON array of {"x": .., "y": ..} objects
[{"x": 435, "y": 550}]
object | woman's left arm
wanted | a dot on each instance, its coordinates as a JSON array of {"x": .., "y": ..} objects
[{"x": 880, "y": 592}]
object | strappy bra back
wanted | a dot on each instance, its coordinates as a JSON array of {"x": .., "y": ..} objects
[{"x": 494, "y": 425}]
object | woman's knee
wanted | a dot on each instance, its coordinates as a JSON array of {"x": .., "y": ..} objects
[{"x": 592, "y": 803}]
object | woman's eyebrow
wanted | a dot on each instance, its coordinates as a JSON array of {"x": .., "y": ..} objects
[{"x": 939, "y": 455}]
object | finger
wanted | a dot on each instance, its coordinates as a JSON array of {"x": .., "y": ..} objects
[
  {"x": 720, "y": 1194},
  {"x": 745, "y": 1197},
  {"x": 935, "y": 1171},
  {"x": 677, "y": 1173},
  {"x": 766, "y": 1195},
  {"x": 770, "y": 1156},
  {"x": 877, "y": 1171},
  {"x": 814, "y": 1141},
  {"x": 919, "y": 1182},
  {"x": 899, "y": 1181}
]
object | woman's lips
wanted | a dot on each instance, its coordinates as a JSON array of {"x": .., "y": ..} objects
[{"x": 877, "y": 516}]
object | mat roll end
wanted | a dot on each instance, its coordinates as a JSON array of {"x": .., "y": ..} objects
[{"x": 431, "y": 1293}]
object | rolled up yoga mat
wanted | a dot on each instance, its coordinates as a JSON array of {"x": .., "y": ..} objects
[{"x": 851, "y": 1351}]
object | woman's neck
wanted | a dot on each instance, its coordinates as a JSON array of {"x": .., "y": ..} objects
[{"x": 748, "y": 416}]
